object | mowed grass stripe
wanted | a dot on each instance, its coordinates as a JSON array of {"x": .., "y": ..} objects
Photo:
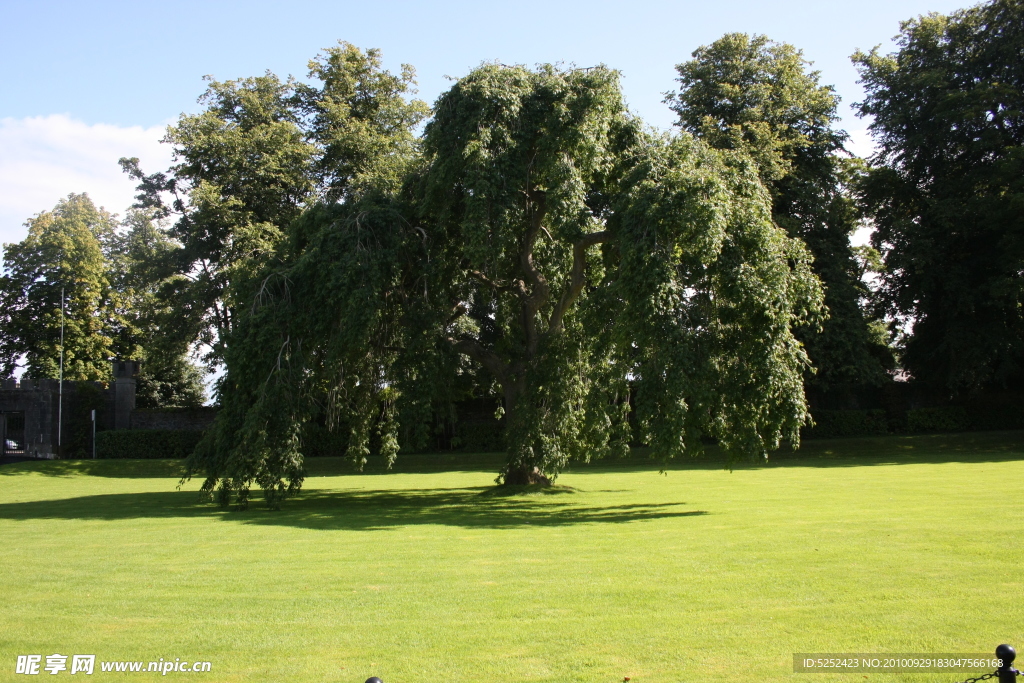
[{"x": 871, "y": 545}]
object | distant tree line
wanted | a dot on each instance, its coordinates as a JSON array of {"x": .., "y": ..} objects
[{"x": 535, "y": 243}]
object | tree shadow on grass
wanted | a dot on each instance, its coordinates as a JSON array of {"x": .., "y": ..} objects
[
  {"x": 413, "y": 463},
  {"x": 115, "y": 469},
  {"x": 908, "y": 449},
  {"x": 964, "y": 447},
  {"x": 357, "y": 509}
]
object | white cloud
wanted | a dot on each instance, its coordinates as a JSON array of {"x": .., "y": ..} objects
[{"x": 44, "y": 158}]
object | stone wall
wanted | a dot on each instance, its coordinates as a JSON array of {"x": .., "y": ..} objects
[
  {"x": 51, "y": 419},
  {"x": 41, "y": 404}
]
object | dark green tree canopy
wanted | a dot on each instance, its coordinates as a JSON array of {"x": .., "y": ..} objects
[
  {"x": 749, "y": 93},
  {"x": 547, "y": 239},
  {"x": 947, "y": 193}
]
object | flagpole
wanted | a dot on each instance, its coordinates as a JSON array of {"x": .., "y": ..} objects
[{"x": 60, "y": 391}]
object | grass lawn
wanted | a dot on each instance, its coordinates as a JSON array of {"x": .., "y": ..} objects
[{"x": 894, "y": 544}]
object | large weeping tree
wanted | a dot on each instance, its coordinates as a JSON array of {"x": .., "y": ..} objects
[{"x": 589, "y": 267}]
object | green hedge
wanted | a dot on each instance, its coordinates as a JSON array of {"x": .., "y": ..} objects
[
  {"x": 976, "y": 416},
  {"x": 996, "y": 415},
  {"x": 829, "y": 424},
  {"x": 944, "y": 419},
  {"x": 146, "y": 443}
]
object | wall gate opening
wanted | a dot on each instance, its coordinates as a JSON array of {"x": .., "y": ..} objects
[{"x": 12, "y": 433}]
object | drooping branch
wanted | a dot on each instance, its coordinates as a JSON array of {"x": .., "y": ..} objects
[
  {"x": 577, "y": 279},
  {"x": 539, "y": 284}
]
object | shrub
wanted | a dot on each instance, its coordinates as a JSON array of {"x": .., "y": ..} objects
[
  {"x": 146, "y": 443},
  {"x": 945, "y": 419},
  {"x": 837, "y": 423},
  {"x": 1005, "y": 414}
]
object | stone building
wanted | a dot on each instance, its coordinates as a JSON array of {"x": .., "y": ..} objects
[{"x": 35, "y": 415}]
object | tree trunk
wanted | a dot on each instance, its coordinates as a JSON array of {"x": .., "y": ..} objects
[
  {"x": 524, "y": 476},
  {"x": 517, "y": 472}
]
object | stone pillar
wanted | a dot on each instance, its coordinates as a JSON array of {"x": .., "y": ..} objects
[{"x": 125, "y": 372}]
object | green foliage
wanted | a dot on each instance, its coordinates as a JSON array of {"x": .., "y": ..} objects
[
  {"x": 360, "y": 120},
  {"x": 111, "y": 278},
  {"x": 945, "y": 419},
  {"x": 150, "y": 329},
  {"x": 314, "y": 347},
  {"x": 146, "y": 443},
  {"x": 261, "y": 152},
  {"x": 169, "y": 382},
  {"x": 243, "y": 171},
  {"x": 830, "y": 424},
  {"x": 712, "y": 291},
  {"x": 979, "y": 414},
  {"x": 946, "y": 194},
  {"x": 748, "y": 93},
  {"x": 995, "y": 411},
  {"x": 547, "y": 240},
  {"x": 63, "y": 249},
  {"x": 320, "y": 442}
]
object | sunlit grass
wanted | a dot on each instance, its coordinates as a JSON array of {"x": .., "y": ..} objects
[{"x": 907, "y": 544}]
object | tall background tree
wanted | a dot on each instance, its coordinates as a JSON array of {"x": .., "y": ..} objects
[
  {"x": 62, "y": 252},
  {"x": 548, "y": 240},
  {"x": 947, "y": 192},
  {"x": 263, "y": 150},
  {"x": 749, "y": 93},
  {"x": 149, "y": 327}
]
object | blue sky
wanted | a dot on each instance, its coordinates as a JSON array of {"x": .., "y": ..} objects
[{"x": 87, "y": 82}]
